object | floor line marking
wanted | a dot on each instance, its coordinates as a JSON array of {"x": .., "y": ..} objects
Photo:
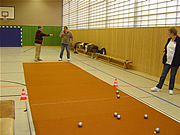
[
  {"x": 78, "y": 101},
  {"x": 139, "y": 99},
  {"x": 12, "y": 82},
  {"x": 129, "y": 84},
  {"x": 10, "y": 72},
  {"x": 144, "y": 87},
  {"x": 12, "y": 86}
]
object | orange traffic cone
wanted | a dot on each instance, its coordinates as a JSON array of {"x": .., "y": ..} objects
[
  {"x": 115, "y": 83},
  {"x": 23, "y": 95}
]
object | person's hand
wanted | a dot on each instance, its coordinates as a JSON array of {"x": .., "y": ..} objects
[
  {"x": 51, "y": 35},
  {"x": 42, "y": 43},
  {"x": 62, "y": 34},
  {"x": 72, "y": 44}
]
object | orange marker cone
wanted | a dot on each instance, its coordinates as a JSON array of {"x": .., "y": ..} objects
[
  {"x": 23, "y": 95},
  {"x": 115, "y": 83}
]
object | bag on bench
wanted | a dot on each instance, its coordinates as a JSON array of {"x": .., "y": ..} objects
[
  {"x": 91, "y": 48},
  {"x": 84, "y": 47},
  {"x": 77, "y": 43},
  {"x": 103, "y": 51}
]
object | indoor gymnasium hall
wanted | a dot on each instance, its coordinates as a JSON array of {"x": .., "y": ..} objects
[{"x": 105, "y": 84}]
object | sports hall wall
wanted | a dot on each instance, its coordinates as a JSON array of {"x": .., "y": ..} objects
[
  {"x": 31, "y": 13},
  {"x": 28, "y": 35},
  {"x": 35, "y": 12},
  {"x": 142, "y": 45}
]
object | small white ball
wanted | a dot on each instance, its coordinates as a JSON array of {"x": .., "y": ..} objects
[
  {"x": 157, "y": 130},
  {"x": 118, "y": 116},
  {"x": 115, "y": 114},
  {"x": 145, "y": 116},
  {"x": 117, "y": 92},
  {"x": 118, "y": 96},
  {"x": 80, "y": 124}
]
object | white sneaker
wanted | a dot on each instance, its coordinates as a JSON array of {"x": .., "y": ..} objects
[
  {"x": 68, "y": 59},
  {"x": 170, "y": 92},
  {"x": 155, "y": 89},
  {"x": 60, "y": 59}
]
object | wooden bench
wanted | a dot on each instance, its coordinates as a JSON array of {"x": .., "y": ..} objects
[
  {"x": 80, "y": 50},
  {"x": 7, "y": 116},
  {"x": 113, "y": 60},
  {"x": 79, "y": 46}
]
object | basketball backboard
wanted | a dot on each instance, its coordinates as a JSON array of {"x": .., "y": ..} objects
[{"x": 7, "y": 12}]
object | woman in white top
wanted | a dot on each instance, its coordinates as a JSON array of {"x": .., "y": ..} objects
[{"x": 171, "y": 60}]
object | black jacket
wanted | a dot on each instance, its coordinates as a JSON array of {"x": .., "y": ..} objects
[{"x": 176, "y": 58}]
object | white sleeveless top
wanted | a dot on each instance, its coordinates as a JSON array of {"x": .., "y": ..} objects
[{"x": 170, "y": 52}]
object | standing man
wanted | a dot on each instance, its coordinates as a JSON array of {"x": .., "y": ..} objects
[
  {"x": 38, "y": 42},
  {"x": 65, "y": 42}
]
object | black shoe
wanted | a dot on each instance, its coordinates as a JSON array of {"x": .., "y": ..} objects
[
  {"x": 76, "y": 52},
  {"x": 40, "y": 60}
]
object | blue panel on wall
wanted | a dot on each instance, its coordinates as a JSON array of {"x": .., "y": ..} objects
[{"x": 10, "y": 37}]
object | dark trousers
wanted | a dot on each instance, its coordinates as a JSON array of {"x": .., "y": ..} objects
[
  {"x": 164, "y": 74},
  {"x": 62, "y": 50}
]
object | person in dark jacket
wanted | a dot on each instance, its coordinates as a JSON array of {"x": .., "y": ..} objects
[
  {"x": 171, "y": 60},
  {"x": 38, "y": 42}
]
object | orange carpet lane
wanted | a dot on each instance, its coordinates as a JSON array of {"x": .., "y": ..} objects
[{"x": 62, "y": 94}]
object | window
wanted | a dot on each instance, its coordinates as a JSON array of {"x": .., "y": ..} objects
[{"x": 94, "y": 14}]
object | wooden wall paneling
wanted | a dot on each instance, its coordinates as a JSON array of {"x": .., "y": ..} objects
[
  {"x": 102, "y": 39},
  {"x": 128, "y": 43},
  {"x": 74, "y": 33},
  {"x": 141, "y": 44},
  {"x": 107, "y": 41},
  {"x": 77, "y": 35},
  {"x": 87, "y": 36},
  {"x": 94, "y": 36},
  {"x": 119, "y": 52},
  {"x": 97, "y": 37},
  {"x": 80, "y": 35},
  {"x": 131, "y": 46},
  {"x": 125, "y": 43},
  {"x": 144, "y": 46},
  {"x": 91, "y": 36},
  {"x": 137, "y": 49},
  {"x": 154, "y": 55},
  {"x": 146, "y": 49},
  {"x": 157, "y": 53},
  {"x": 114, "y": 43},
  {"x": 117, "y": 44}
]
